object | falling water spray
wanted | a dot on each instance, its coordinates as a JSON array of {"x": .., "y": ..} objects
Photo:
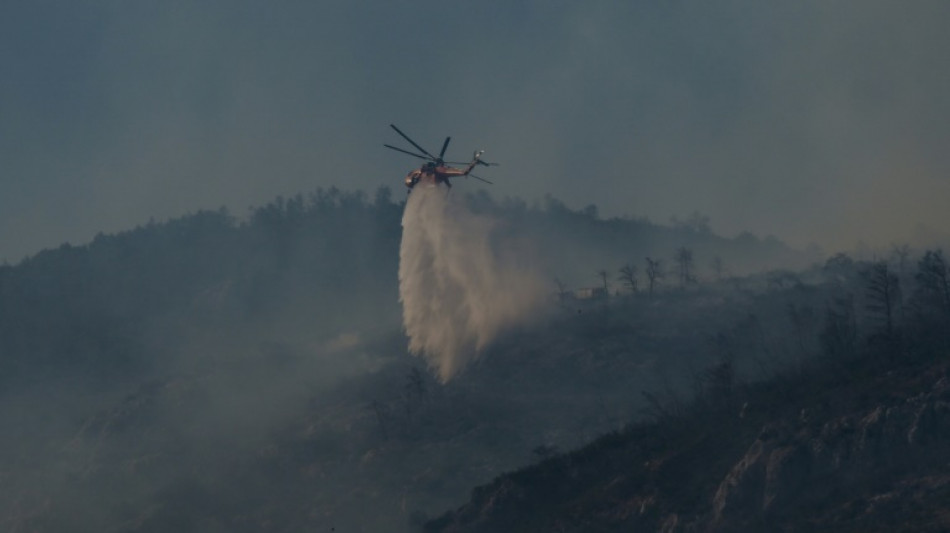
[{"x": 460, "y": 286}]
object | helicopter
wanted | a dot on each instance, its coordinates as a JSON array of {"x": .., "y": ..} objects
[{"x": 435, "y": 170}]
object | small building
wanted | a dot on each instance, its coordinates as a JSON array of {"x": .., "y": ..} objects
[{"x": 589, "y": 293}]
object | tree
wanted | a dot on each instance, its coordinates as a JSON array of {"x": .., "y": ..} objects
[
  {"x": 883, "y": 294},
  {"x": 628, "y": 275},
  {"x": 684, "y": 264},
  {"x": 933, "y": 283},
  {"x": 930, "y": 303},
  {"x": 900, "y": 255},
  {"x": 654, "y": 273},
  {"x": 603, "y": 276},
  {"x": 384, "y": 197},
  {"x": 840, "y": 268},
  {"x": 840, "y": 331},
  {"x": 415, "y": 388}
]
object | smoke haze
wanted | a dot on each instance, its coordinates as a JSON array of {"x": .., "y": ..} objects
[
  {"x": 792, "y": 120},
  {"x": 458, "y": 290},
  {"x": 206, "y": 374}
]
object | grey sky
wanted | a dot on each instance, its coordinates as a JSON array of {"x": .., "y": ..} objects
[{"x": 820, "y": 122}]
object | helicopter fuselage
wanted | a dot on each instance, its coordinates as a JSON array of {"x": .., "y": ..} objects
[{"x": 433, "y": 176}]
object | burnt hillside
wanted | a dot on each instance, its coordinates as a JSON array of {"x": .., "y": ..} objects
[
  {"x": 249, "y": 374},
  {"x": 853, "y": 438}
]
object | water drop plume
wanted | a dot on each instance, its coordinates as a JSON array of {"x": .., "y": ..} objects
[{"x": 461, "y": 282}]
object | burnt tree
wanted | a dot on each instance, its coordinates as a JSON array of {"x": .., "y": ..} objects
[
  {"x": 882, "y": 290},
  {"x": 654, "y": 273},
  {"x": 628, "y": 276}
]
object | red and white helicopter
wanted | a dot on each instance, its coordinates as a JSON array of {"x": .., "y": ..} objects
[{"x": 436, "y": 170}]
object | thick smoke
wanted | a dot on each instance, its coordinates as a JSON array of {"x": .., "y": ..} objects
[{"x": 459, "y": 288}]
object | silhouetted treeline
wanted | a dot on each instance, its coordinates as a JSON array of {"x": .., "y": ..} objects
[
  {"x": 328, "y": 259},
  {"x": 573, "y": 244},
  {"x": 331, "y": 254}
]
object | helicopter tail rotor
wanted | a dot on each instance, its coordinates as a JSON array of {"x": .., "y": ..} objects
[{"x": 477, "y": 158}]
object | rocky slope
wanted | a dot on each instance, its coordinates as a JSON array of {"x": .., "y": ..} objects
[{"x": 863, "y": 446}]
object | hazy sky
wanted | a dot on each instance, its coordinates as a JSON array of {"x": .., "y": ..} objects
[{"x": 822, "y": 122}]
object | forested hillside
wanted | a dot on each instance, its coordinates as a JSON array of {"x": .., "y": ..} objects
[
  {"x": 250, "y": 374},
  {"x": 111, "y": 305},
  {"x": 326, "y": 261}
]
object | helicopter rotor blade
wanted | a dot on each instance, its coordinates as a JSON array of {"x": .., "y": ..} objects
[
  {"x": 444, "y": 146},
  {"x": 420, "y": 156},
  {"x": 406, "y": 137},
  {"x": 479, "y": 162},
  {"x": 481, "y": 179}
]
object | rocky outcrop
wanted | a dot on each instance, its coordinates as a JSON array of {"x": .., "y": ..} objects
[
  {"x": 790, "y": 466},
  {"x": 877, "y": 460}
]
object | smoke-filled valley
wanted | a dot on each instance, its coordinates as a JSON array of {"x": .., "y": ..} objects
[{"x": 332, "y": 362}]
